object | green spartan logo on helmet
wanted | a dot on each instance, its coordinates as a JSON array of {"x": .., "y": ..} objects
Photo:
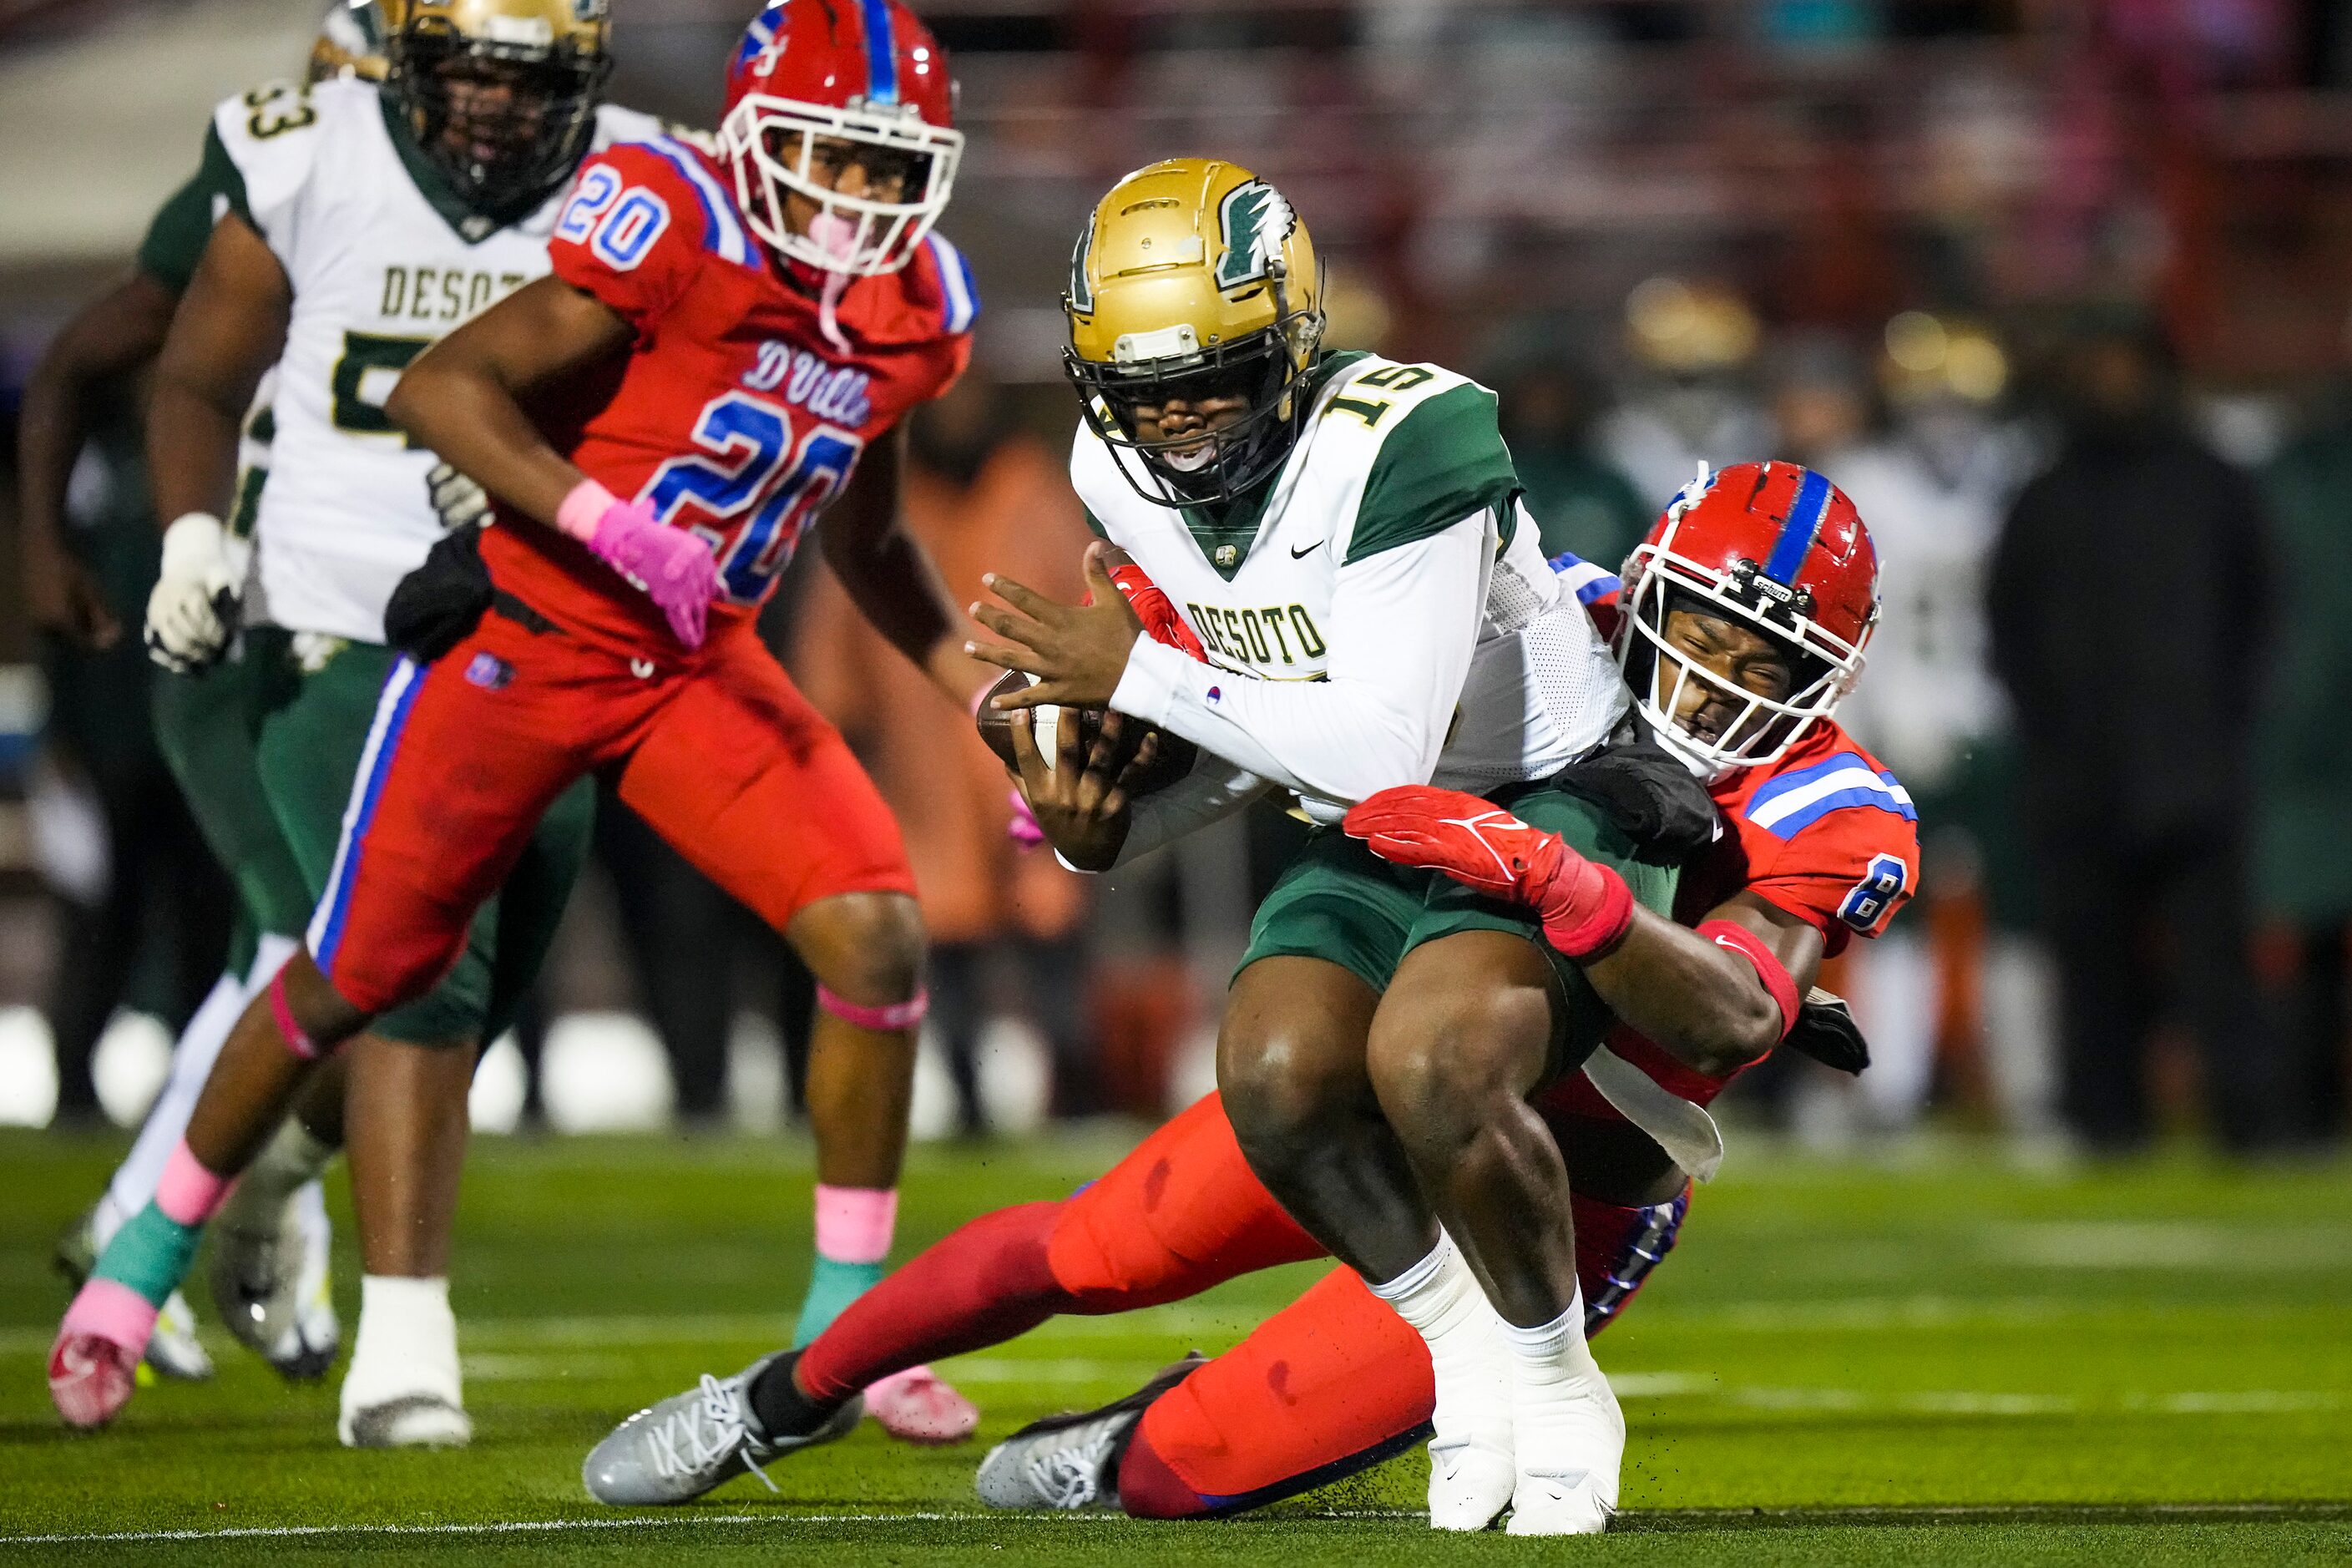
[{"x": 1254, "y": 220}]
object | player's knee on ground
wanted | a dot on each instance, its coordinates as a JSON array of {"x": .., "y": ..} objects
[
  {"x": 867, "y": 948},
  {"x": 1446, "y": 1058}
]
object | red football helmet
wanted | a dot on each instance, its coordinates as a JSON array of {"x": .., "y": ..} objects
[
  {"x": 1778, "y": 549},
  {"x": 812, "y": 72}
]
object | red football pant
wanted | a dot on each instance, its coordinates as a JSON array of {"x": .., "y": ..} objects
[
  {"x": 719, "y": 753},
  {"x": 1332, "y": 1383}
]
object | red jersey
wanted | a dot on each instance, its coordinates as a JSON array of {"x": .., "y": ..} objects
[
  {"x": 734, "y": 414},
  {"x": 1825, "y": 833}
]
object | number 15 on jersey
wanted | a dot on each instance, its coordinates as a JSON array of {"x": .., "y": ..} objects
[{"x": 752, "y": 467}]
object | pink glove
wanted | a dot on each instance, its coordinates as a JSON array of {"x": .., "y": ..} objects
[{"x": 672, "y": 567}]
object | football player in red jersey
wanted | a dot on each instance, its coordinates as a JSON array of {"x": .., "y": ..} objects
[
  {"x": 1745, "y": 616},
  {"x": 725, "y": 349}
]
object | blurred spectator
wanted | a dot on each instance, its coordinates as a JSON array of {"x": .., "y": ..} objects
[
  {"x": 1580, "y": 501},
  {"x": 1962, "y": 983},
  {"x": 132, "y": 877},
  {"x": 2130, "y": 603},
  {"x": 983, "y": 496},
  {"x": 1692, "y": 344},
  {"x": 2304, "y": 854}
]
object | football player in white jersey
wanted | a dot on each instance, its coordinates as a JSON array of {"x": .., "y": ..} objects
[
  {"x": 269, "y": 1259},
  {"x": 1343, "y": 535},
  {"x": 360, "y": 226}
]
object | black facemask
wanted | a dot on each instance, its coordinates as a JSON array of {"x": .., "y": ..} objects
[
  {"x": 1259, "y": 369},
  {"x": 503, "y": 124}
]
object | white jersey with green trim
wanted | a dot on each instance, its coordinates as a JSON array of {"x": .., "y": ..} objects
[
  {"x": 1379, "y": 614},
  {"x": 382, "y": 263}
]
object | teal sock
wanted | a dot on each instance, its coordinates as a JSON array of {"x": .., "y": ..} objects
[
  {"x": 833, "y": 1286},
  {"x": 151, "y": 1254}
]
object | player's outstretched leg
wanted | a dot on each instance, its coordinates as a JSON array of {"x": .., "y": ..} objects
[
  {"x": 866, "y": 952},
  {"x": 1464, "y": 1035},
  {"x": 270, "y": 1052},
  {"x": 173, "y": 1350}
]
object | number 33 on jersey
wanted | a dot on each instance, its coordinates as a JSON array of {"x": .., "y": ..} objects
[{"x": 739, "y": 417}]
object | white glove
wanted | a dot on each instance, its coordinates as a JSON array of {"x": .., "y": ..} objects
[
  {"x": 456, "y": 497},
  {"x": 192, "y": 613}
]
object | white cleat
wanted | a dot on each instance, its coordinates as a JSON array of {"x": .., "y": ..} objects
[
  {"x": 1471, "y": 1472},
  {"x": 1569, "y": 1462},
  {"x": 172, "y": 1349},
  {"x": 1469, "y": 1483},
  {"x": 411, "y": 1421}
]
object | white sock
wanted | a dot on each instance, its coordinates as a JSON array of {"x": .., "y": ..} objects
[
  {"x": 193, "y": 1055},
  {"x": 407, "y": 1344},
  {"x": 1441, "y": 1297},
  {"x": 1564, "y": 1418},
  {"x": 1555, "y": 1351}
]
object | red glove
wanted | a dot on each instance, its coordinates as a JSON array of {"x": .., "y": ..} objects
[
  {"x": 1585, "y": 907},
  {"x": 1153, "y": 608}
]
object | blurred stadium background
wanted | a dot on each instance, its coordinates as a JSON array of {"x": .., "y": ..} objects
[
  {"x": 1873, "y": 235},
  {"x": 1934, "y": 248}
]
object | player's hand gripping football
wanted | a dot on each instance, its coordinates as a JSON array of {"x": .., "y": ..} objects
[
  {"x": 192, "y": 610},
  {"x": 1584, "y": 907},
  {"x": 1080, "y": 796},
  {"x": 1077, "y": 652}
]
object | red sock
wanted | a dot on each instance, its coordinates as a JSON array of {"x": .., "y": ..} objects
[{"x": 981, "y": 1286}]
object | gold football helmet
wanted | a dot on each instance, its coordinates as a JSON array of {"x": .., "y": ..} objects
[
  {"x": 350, "y": 42},
  {"x": 1193, "y": 282},
  {"x": 500, "y": 95}
]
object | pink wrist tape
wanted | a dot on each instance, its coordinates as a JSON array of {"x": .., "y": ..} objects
[
  {"x": 187, "y": 1193},
  {"x": 1776, "y": 978},
  {"x": 582, "y": 510},
  {"x": 892, "y": 1016},
  {"x": 854, "y": 1224},
  {"x": 298, "y": 1039}
]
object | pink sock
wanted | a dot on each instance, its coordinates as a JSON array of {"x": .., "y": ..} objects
[
  {"x": 187, "y": 1193},
  {"x": 112, "y": 1312},
  {"x": 854, "y": 1224}
]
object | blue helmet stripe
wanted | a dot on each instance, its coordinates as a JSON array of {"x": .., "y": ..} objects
[
  {"x": 881, "y": 58},
  {"x": 1798, "y": 533}
]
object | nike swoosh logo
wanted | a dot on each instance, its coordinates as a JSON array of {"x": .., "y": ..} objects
[{"x": 1302, "y": 553}]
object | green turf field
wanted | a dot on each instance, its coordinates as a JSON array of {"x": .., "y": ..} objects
[{"x": 1936, "y": 1359}]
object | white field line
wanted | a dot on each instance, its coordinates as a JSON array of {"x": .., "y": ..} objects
[
  {"x": 527, "y": 1526},
  {"x": 1211, "y": 1325},
  {"x": 1956, "y": 1513}
]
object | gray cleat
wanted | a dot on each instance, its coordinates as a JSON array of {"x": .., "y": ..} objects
[
  {"x": 690, "y": 1442},
  {"x": 1072, "y": 1461}
]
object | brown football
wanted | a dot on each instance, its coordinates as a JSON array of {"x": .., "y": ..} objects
[{"x": 1175, "y": 761}]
